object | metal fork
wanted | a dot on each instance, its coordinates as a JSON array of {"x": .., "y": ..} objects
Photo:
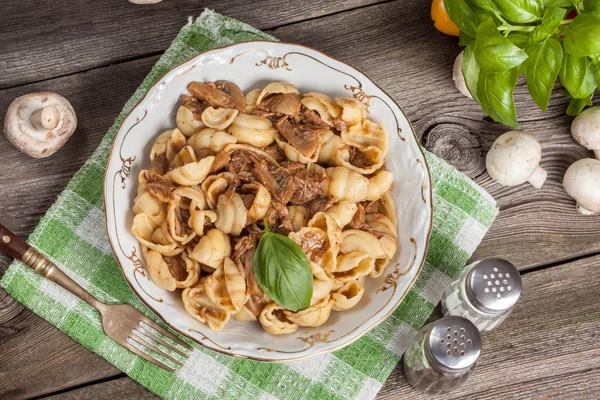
[{"x": 119, "y": 321}]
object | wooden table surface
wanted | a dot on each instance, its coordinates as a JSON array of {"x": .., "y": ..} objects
[{"x": 96, "y": 53}]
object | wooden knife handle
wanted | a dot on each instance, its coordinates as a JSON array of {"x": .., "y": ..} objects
[{"x": 12, "y": 244}]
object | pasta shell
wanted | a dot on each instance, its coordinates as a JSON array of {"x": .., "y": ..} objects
[
  {"x": 143, "y": 230},
  {"x": 176, "y": 142},
  {"x": 198, "y": 218},
  {"x": 219, "y": 118},
  {"x": 299, "y": 216},
  {"x": 147, "y": 204},
  {"x": 353, "y": 265},
  {"x": 323, "y": 105},
  {"x": 185, "y": 156},
  {"x": 186, "y": 123},
  {"x": 231, "y": 213},
  {"x": 347, "y": 296},
  {"x": 159, "y": 270},
  {"x": 199, "y": 306},
  {"x": 333, "y": 151},
  {"x": 226, "y": 287},
  {"x": 216, "y": 185},
  {"x": 294, "y": 154},
  {"x": 379, "y": 184},
  {"x": 343, "y": 212},
  {"x": 326, "y": 223},
  {"x": 344, "y": 184},
  {"x": 321, "y": 289},
  {"x": 353, "y": 111},
  {"x": 313, "y": 316},
  {"x": 276, "y": 87},
  {"x": 315, "y": 244},
  {"x": 371, "y": 140},
  {"x": 252, "y": 129},
  {"x": 251, "y": 99},
  {"x": 212, "y": 139},
  {"x": 357, "y": 240},
  {"x": 274, "y": 321},
  {"x": 191, "y": 174},
  {"x": 260, "y": 203},
  {"x": 212, "y": 249}
]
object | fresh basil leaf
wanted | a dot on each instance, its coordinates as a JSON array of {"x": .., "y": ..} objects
[
  {"x": 520, "y": 11},
  {"x": 582, "y": 37},
  {"x": 462, "y": 15},
  {"x": 551, "y": 20},
  {"x": 596, "y": 67},
  {"x": 494, "y": 52},
  {"x": 591, "y": 7},
  {"x": 576, "y": 106},
  {"x": 495, "y": 90},
  {"x": 577, "y": 76},
  {"x": 471, "y": 71},
  {"x": 542, "y": 68},
  {"x": 483, "y": 4},
  {"x": 464, "y": 40},
  {"x": 518, "y": 39},
  {"x": 557, "y": 3},
  {"x": 283, "y": 272}
]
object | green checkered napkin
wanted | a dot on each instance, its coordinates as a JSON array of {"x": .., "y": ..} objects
[{"x": 73, "y": 235}]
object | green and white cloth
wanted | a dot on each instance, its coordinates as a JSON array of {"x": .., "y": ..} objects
[{"x": 73, "y": 235}]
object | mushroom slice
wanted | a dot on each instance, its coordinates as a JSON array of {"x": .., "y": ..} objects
[
  {"x": 223, "y": 94},
  {"x": 276, "y": 87},
  {"x": 219, "y": 118},
  {"x": 274, "y": 321},
  {"x": 282, "y": 103},
  {"x": 312, "y": 316},
  {"x": 39, "y": 124},
  {"x": 307, "y": 141}
]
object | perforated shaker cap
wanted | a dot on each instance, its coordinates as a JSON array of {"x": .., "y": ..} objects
[
  {"x": 453, "y": 344},
  {"x": 493, "y": 285}
]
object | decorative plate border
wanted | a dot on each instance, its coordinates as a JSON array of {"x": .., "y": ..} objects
[{"x": 273, "y": 62}]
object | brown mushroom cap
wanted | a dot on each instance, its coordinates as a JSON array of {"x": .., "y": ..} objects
[
  {"x": 40, "y": 123},
  {"x": 220, "y": 94}
]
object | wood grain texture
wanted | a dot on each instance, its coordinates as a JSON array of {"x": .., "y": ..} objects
[
  {"x": 120, "y": 388},
  {"x": 45, "y": 39},
  {"x": 396, "y": 45},
  {"x": 547, "y": 348}
]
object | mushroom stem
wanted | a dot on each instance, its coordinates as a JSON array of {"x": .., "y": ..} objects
[
  {"x": 45, "y": 118},
  {"x": 584, "y": 211},
  {"x": 538, "y": 177},
  {"x": 597, "y": 154}
]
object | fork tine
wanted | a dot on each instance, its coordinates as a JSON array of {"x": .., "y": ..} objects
[
  {"x": 147, "y": 344},
  {"x": 166, "y": 333},
  {"x": 159, "y": 340},
  {"x": 146, "y": 357}
]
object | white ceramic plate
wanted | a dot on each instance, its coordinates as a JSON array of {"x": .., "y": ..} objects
[{"x": 252, "y": 65}]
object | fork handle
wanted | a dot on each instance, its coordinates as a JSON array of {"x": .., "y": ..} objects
[{"x": 19, "y": 249}]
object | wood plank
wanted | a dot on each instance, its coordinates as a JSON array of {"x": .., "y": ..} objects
[
  {"x": 67, "y": 37},
  {"x": 403, "y": 55},
  {"x": 547, "y": 348}
]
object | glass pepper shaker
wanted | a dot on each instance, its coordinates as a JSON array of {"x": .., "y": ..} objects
[
  {"x": 485, "y": 293},
  {"x": 442, "y": 355}
]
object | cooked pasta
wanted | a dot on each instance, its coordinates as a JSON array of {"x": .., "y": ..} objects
[{"x": 310, "y": 166}]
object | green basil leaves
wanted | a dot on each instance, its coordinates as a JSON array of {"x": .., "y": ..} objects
[
  {"x": 582, "y": 38},
  {"x": 494, "y": 52},
  {"x": 538, "y": 38},
  {"x": 282, "y": 271},
  {"x": 542, "y": 68}
]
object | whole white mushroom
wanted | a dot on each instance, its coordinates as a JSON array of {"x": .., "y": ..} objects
[
  {"x": 586, "y": 129},
  {"x": 458, "y": 77},
  {"x": 582, "y": 183},
  {"x": 40, "y": 123},
  {"x": 514, "y": 159}
]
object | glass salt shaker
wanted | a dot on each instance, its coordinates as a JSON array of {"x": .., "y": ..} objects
[
  {"x": 485, "y": 293},
  {"x": 442, "y": 355}
]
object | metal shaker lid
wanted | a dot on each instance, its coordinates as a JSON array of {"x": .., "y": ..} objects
[
  {"x": 493, "y": 285},
  {"x": 453, "y": 344}
]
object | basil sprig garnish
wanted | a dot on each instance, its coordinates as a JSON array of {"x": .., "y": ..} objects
[
  {"x": 282, "y": 271},
  {"x": 542, "y": 39}
]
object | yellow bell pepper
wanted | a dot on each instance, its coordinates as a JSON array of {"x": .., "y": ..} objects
[{"x": 441, "y": 20}]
